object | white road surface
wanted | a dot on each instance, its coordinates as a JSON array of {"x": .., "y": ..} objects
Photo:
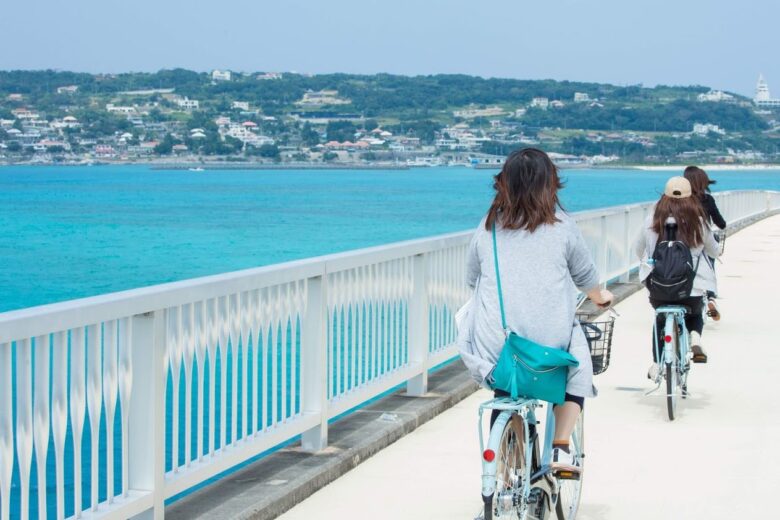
[{"x": 719, "y": 459}]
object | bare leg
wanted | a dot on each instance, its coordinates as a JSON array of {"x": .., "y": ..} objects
[{"x": 565, "y": 420}]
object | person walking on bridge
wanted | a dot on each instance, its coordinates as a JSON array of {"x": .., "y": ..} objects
[{"x": 542, "y": 257}]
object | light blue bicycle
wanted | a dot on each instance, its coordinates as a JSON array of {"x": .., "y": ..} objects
[
  {"x": 675, "y": 359},
  {"x": 517, "y": 480}
]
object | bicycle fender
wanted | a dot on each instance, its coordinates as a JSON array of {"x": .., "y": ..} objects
[
  {"x": 670, "y": 329},
  {"x": 489, "y": 468}
]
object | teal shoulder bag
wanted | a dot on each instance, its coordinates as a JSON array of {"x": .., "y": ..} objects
[{"x": 526, "y": 368}]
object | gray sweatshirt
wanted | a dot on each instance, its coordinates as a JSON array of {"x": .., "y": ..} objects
[{"x": 539, "y": 273}]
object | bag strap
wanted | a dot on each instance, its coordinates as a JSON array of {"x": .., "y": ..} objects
[{"x": 498, "y": 280}]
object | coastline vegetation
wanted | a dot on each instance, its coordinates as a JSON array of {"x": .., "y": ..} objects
[{"x": 382, "y": 117}]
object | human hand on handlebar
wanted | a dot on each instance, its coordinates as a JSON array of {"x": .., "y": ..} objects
[
  {"x": 601, "y": 297},
  {"x": 606, "y": 299}
]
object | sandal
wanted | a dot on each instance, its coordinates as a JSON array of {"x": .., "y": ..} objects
[
  {"x": 699, "y": 356},
  {"x": 712, "y": 310}
]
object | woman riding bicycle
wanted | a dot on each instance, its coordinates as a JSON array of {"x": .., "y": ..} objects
[
  {"x": 700, "y": 186},
  {"x": 679, "y": 213},
  {"x": 542, "y": 258}
]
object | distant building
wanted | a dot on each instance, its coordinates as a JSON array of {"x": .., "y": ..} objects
[
  {"x": 104, "y": 150},
  {"x": 188, "y": 104},
  {"x": 15, "y": 97},
  {"x": 347, "y": 146},
  {"x": 270, "y": 75},
  {"x": 23, "y": 113},
  {"x": 704, "y": 129},
  {"x": 471, "y": 113},
  {"x": 67, "y": 122},
  {"x": 581, "y": 97},
  {"x": 763, "y": 98},
  {"x": 240, "y": 105},
  {"x": 321, "y": 98},
  {"x": 43, "y": 144},
  {"x": 220, "y": 75},
  {"x": 557, "y": 104},
  {"x": 110, "y": 107},
  {"x": 70, "y": 89},
  {"x": 716, "y": 96},
  {"x": 540, "y": 102}
]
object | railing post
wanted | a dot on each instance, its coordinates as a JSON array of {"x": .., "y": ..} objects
[
  {"x": 604, "y": 250},
  {"x": 314, "y": 359},
  {"x": 626, "y": 246},
  {"x": 146, "y": 455},
  {"x": 419, "y": 326}
]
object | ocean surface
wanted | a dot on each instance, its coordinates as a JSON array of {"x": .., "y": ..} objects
[{"x": 70, "y": 232}]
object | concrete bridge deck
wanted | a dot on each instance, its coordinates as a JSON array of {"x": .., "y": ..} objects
[{"x": 719, "y": 459}]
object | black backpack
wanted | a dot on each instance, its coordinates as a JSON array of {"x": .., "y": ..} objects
[{"x": 671, "y": 279}]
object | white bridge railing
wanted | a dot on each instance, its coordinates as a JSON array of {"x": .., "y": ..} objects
[{"x": 127, "y": 399}]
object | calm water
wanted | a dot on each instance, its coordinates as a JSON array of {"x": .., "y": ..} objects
[{"x": 69, "y": 232}]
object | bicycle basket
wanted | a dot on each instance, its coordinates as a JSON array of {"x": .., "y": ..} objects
[{"x": 599, "y": 336}]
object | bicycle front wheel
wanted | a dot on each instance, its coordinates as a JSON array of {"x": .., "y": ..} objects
[
  {"x": 570, "y": 491},
  {"x": 510, "y": 467}
]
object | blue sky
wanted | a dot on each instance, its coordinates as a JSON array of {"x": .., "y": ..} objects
[{"x": 720, "y": 43}]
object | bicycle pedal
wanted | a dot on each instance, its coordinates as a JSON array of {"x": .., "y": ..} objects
[{"x": 567, "y": 475}]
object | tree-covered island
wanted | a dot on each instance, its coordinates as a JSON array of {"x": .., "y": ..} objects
[{"x": 181, "y": 116}]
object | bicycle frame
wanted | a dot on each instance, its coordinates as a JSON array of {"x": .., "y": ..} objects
[{"x": 675, "y": 317}]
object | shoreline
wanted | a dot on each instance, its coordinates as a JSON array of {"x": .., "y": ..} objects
[
  {"x": 711, "y": 167},
  {"x": 226, "y": 166}
]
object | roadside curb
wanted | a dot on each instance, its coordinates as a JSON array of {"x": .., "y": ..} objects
[{"x": 269, "y": 487}]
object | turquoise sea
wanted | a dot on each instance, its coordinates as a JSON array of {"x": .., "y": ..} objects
[{"x": 70, "y": 232}]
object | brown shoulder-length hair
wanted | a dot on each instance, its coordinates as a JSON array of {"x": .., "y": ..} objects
[
  {"x": 526, "y": 192},
  {"x": 700, "y": 181},
  {"x": 688, "y": 214}
]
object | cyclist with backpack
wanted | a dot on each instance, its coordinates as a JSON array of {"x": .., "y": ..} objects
[{"x": 673, "y": 247}]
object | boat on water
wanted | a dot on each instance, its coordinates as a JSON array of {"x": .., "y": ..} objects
[
  {"x": 424, "y": 162},
  {"x": 198, "y": 169}
]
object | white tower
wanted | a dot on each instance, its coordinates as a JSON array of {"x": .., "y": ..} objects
[{"x": 762, "y": 91}]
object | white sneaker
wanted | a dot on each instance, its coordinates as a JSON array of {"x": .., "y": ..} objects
[
  {"x": 563, "y": 461},
  {"x": 654, "y": 371}
]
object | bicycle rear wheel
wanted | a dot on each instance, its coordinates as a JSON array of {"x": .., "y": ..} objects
[
  {"x": 671, "y": 373},
  {"x": 570, "y": 491},
  {"x": 510, "y": 467},
  {"x": 671, "y": 390}
]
